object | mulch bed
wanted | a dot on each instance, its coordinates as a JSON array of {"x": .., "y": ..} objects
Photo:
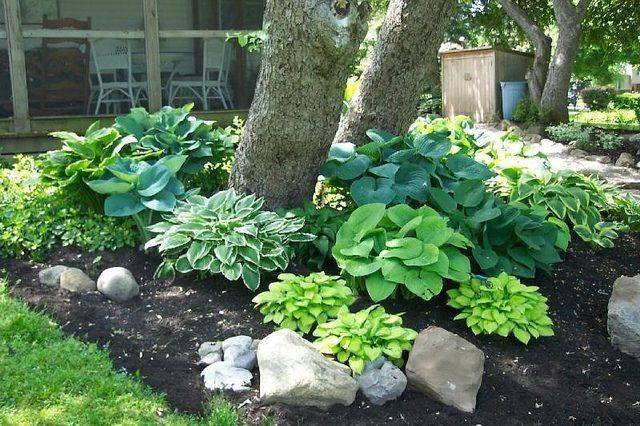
[{"x": 574, "y": 377}]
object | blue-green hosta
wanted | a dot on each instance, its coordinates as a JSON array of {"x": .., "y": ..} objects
[
  {"x": 227, "y": 233},
  {"x": 400, "y": 249},
  {"x": 300, "y": 303},
  {"x": 503, "y": 306},
  {"x": 172, "y": 131},
  {"x": 356, "y": 338}
]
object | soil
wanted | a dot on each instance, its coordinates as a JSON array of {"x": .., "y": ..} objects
[{"x": 574, "y": 377}]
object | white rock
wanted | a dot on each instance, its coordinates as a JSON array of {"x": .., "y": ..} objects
[
  {"x": 51, "y": 276},
  {"x": 118, "y": 284},
  {"x": 241, "y": 341},
  {"x": 623, "y": 316},
  {"x": 208, "y": 347},
  {"x": 210, "y": 358},
  {"x": 76, "y": 281},
  {"x": 293, "y": 372},
  {"x": 224, "y": 376},
  {"x": 626, "y": 160}
]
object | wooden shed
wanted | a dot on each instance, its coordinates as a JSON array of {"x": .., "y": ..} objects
[{"x": 471, "y": 80}]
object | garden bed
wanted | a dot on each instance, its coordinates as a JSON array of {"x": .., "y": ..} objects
[{"x": 574, "y": 377}]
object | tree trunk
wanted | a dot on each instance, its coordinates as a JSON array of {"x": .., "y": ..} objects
[
  {"x": 553, "y": 104},
  {"x": 296, "y": 108},
  {"x": 537, "y": 75},
  {"x": 398, "y": 69}
]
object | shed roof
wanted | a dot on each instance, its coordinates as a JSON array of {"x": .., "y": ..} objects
[{"x": 485, "y": 49}]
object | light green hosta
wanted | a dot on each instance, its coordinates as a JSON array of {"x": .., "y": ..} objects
[
  {"x": 364, "y": 336},
  {"x": 400, "y": 248},
  {"x": 227, "y": 234},
  {"x": 503, "y": 306},
  {"x": 299, "y": 303}
]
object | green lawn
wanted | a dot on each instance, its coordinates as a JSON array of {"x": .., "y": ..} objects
[
  {"x": 621, "y": 119},
  {"x": 47, "y": 378}
]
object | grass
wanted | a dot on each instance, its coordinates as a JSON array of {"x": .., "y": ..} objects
[
  {"x": 47, "y": 378},
  {"x": 617, "y": 119}
]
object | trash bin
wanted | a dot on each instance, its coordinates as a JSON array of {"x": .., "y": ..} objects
[{"x": 512, "y": 92}]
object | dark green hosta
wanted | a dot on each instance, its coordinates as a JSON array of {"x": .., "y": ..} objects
[
  {"x": 400, "y": 249},
  {"x": 172, "y": 131},
  {"x": 502, "y": 306},
  {"x": 356, "y": 338},
  {"x": 569, "y": 197},
  {"x": 228, "y": 234}
]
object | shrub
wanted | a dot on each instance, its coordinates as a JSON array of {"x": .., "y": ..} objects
[
  {"x": 430, "y": 103},
  {"x": 35, "y": 216},
  {"x": 597, "y": 98},
  {"x": 526, "y": 111},
  {"x": 608, "y": 140},
  {"x": 322, "y": 222},
  {"x": 400, "y": 249},
  {"x": 226, "y": 233},
  {"x": 300, "y": 303},
  {"x": 504, "y": 306},
  {"x": 626, "y": 100},
  {"x": 356, "y": 338},
  {"x": 571, "y": 132},
  {"x": 626, "y": 209}
]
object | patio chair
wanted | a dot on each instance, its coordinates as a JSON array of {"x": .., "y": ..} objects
[
  {"x": 214, "y": 81},
  {"x": 111, "y": 65}
]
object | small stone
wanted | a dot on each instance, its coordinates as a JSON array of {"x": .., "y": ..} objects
[
  {"x": 210, "y": 358},
  {"x": 118, "y": 284},
  {"x": 51, "y": 276},
  {"x": 383, "y": 384},
  {"x": 209, "y": 347},
  {"x": 241, "y": 358},
  {"x": 504, "y": 125},
  {"x": 76, "y": 281},
  {"x": 635, "y": 138},
  {"x": 603, "y": 159},
  {"x": 446, "y": 367},
  {"x": 638, "y": 165},
  {"x": 294, "y": 372},
  {"x": 626, "y": 160},
  {"x": 623, "y": 315},
  {"x": 241, "y": 341},
  {"x": 223, "y": 375},
  {"x": 578, "y": 153},
  {"x": 533, "y": 138},
  {"x": 516, "y": 131}
]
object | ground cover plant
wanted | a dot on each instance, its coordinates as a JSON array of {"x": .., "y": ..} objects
[
  {"x": 502, "y": 305},
  {"x": 226, "y": 234},
  {"x": 355, "y": 338},
  {"x": 48, "y": 378},
  {"x": 300, "y": 303}
]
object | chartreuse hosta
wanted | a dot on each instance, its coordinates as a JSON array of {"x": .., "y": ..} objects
[
  {"x": 356, "y": 338},
  {"x": 300, "y": 303},
  {"x": 400, "y": 250},
  {"x": 502, "y": 305},
  {"x": 226, "y": 234}
]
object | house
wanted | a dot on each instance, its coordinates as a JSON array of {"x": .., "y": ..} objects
[
  {"x": 64, "y": 62},
  {"x": 629, "y": 79}
]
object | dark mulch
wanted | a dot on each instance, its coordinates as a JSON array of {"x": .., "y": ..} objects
[{"x": 574, "y": 377}]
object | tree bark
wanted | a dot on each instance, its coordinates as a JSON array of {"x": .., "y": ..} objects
[
  {"x": 398, "y": 69},
  {"x": 296, "y": 108},
  {"x": 537, "y": 75},
  {"x": 553, "y": 103}
]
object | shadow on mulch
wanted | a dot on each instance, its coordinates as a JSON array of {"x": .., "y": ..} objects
[{"x": 574, "y": 377}]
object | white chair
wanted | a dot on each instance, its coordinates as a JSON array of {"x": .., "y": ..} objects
[
  {"x": 214, "y": 82},
  {"x": 114, "y": 81}
]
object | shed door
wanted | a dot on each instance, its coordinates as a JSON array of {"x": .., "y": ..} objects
[{"x": 468, "y": 87}]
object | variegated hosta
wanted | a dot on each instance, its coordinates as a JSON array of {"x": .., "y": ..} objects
[{"x": 227, "y": 234}]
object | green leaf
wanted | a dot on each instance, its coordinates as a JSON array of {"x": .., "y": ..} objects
[
  {"x": 364, "y": 219},
  {"x": 444, "y": 201},
  {"x": 250, "y": 276},
  {"x": 368, "y": 190},
  {"x": 378, "y": 287},
  {"x": 121, "y": 205},
  {"x": 109, "y": 186},
  {"x": 153, "y": 180},
  {"x": 164, "y": 201}
]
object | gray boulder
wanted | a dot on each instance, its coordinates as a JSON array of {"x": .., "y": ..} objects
[
  {"x": 118, "y": 284},
  {"x": 225, "y": 376},
  {"x": 446, "y": 367},
  {"x": 635, "y": 138},
  {"x": 623, "y": 316},
  {"x": 381, "y": 381},
  {"x": 532, "y": 138},
  {"x": 208, "y": 347},
  {"x": 76, "y": 281},
  {"x": 599, "y": 158},
  {"x": 536, "y": 129},
  {"x": 293, "y": 372},
  {"x": 578, "y": 153},
  {"x": 241, "y": 341},
  {"x": 242, "y": 358},
  {"x": 51, "y": 276},
  {"x": 626, "y": 160},
  {"x": 209, "y": 359}
]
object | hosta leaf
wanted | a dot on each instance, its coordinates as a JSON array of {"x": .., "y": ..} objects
[
  {"x": 368, "y": 190},
  {"x": 231, "y": 272},
  {"x": 121, "y": 205},
  {"x": 109, "y": 186},
  {"x": 378, "y": 287},
  {"x": 250, "y": 276},
  {"x": 164, "y": 201},
  {"x": 153, "y": 180}
]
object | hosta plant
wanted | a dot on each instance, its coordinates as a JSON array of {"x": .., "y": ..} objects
[
  {"x": 503, "y": 306},
  {"x": 355, "y": 338},
  {"x": 300, "y": 303},
  {"x": 322, "y": 222},
  {"x": 225, "y": 234},
  {"x": 400, "y": 250},
  {"x": 136, "y": 186},
  {"x": 171, "y": 131}
]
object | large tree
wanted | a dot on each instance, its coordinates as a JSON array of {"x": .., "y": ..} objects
[
  {"x": 398, "y": 69},
  {"x": 296, "y": 108}
]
